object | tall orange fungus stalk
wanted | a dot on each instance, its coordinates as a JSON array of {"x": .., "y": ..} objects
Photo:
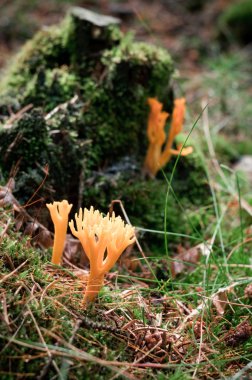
[
  {"x": 59, "y": 213},
  {"x": 157, "y": 154}
]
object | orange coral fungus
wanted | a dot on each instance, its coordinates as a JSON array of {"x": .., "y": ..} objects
[
  {"x": 103, "y": 239},
  {"x": 157, "y": 156},
  {"x": 59, "y": 213}
]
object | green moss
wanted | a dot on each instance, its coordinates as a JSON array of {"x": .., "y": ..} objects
[
  {"x": 25, "y": 142},
  {"x": 24, "y": 151},
  {"x": 8, "y": 101},
  {"x": 31, "y": 144},
  {"x": 225, "y": 149},
  {"x": 48, "y": 88},
  {"x": 116, "y": 117},
  {"x": 235, "y": 22},
  {"x": 44, "y": 50},
  {"x": 138, "y": 63}
]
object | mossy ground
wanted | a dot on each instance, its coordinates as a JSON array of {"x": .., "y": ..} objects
[
  {"x": 41, "y": 332},
  {"x": 42, "y": 303}
]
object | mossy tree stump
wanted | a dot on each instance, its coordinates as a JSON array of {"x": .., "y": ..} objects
[{"x": 88, "y": 84}]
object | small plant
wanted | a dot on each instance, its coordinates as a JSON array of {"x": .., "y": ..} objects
[{"x": 157, "y": 156}]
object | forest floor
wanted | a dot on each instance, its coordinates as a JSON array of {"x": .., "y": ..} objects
[{"x": 192, "y": 323}]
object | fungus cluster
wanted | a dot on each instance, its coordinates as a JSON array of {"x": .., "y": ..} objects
[
  {"x": 103, "y": 239},
  {"x": 159, "y": 154}
]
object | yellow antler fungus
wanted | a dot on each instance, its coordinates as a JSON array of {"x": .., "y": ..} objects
[
  {"x": 103, "y": 239},
  {"x": 59, "y": 213},
  {"x": 157, "y": 156}
]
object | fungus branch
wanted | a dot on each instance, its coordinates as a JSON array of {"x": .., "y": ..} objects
[
  {"x": 59, "y": 213},
  {"x": 157, "y": 156},
  {"x": 103, "y": 239}
]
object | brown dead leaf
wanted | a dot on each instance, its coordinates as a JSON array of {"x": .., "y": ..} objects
[
  {"x": 199, "y": 327},
  {"x": 81, "y": 274},
  {"x": 6, "y": 193},
  {"x": 74, "y": 252},
  {"x": 185, "y": 261},
  {"x": 43, "y": 239},
  {"x": 220, "y": 302}
]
